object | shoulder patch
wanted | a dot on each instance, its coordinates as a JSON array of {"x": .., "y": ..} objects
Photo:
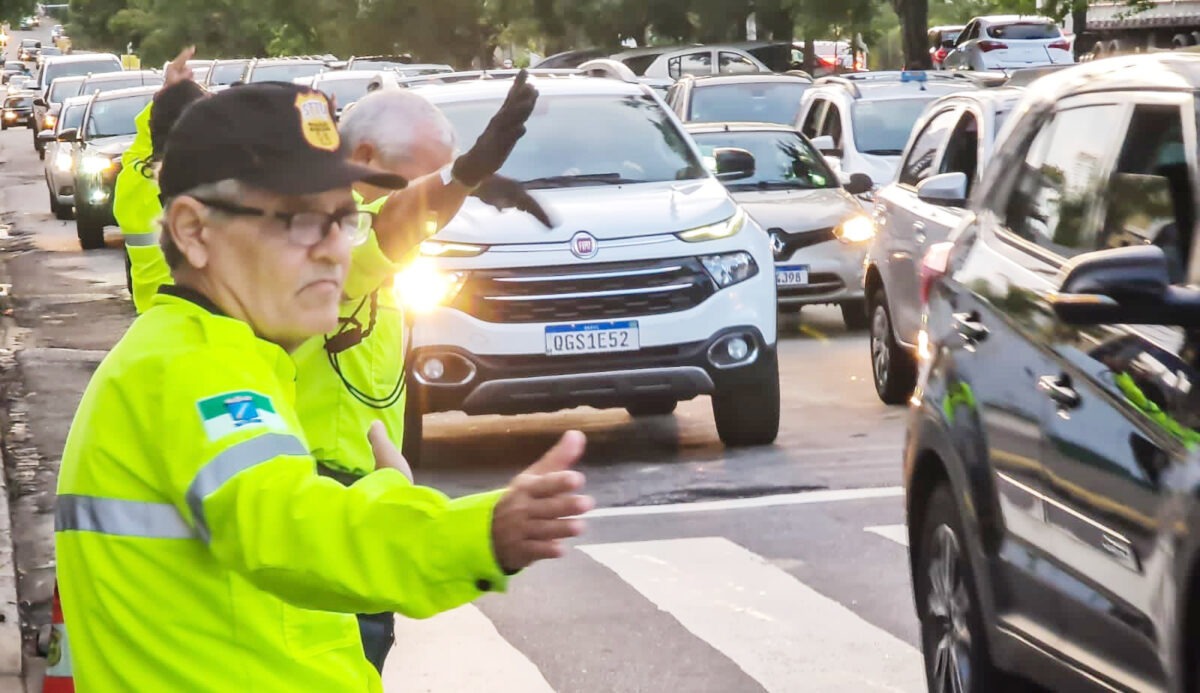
[{"x": 237, "y": 411}]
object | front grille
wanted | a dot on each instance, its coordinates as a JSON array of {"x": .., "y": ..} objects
[
  {"x": 818, "y": 283},
  {"x": 783, "y": 244},
  {"x": 600, "y": 291}
]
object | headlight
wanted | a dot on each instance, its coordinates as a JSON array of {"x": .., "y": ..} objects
[
  {"x": 421, "y": 287},
  {"x": 62, "y": 160},
  {"x": 49, "y": 122},
  {"x": 92, "y": 164},
  {"x": 729, "y": 268},
  {"x": 9, "y": 115},
  {"x": 432, "y": 248},
  {"x": 712, "y": 232},
  {"x": 856, "y": 229}
]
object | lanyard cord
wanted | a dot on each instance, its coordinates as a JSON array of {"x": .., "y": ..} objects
[{"x": 352, "y": 334}]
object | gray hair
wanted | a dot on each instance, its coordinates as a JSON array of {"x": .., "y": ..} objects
[
  {"x": 228, "y": 189},
  {"x": 393, "y": 121}
]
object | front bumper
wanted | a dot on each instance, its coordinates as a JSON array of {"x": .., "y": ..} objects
[
  {"x": 94, "y": 197},
  {"x": 835, "y": 273}
]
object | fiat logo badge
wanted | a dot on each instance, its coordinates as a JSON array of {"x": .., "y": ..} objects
[{"x": 584, "y": 246}]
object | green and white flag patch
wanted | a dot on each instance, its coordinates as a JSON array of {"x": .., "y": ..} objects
[{"x": 239, "y": 411}]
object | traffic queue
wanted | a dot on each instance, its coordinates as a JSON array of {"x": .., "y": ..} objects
[{"x": 1016, "y": 244}]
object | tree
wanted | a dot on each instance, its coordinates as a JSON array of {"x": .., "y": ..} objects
[{"x": 914, "y": 27}]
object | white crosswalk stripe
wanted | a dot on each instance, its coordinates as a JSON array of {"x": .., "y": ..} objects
[
  {"x": 897, "y": 533},
  {"x": 782, "y": 633}
]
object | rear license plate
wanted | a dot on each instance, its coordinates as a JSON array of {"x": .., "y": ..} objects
[
  {"x": 592, "y": 338},
  {"x": 791, "y": 275}
]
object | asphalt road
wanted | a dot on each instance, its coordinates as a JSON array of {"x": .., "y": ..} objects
[{"x": 780, "y": 568}]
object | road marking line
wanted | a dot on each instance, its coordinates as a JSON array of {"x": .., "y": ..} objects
[
  {"x": 897, "y": 533},
  {"x": 459, "y": 650},
  {"x": 802, "y": 498},
  {"x": 781, "y": 632}
]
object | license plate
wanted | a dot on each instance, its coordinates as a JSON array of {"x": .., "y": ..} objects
[
  {"x": 592, "y": 338},
  {"x": 791, "y": 275}
]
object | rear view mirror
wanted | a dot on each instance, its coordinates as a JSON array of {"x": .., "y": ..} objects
[
  {"x": 69, "y": 135},
  {"x": 1124, "y": 286},
  {"x": 859, "y": 184},
  {"x": 733, "y": 164},
  {"x": 945, "y": 189}
]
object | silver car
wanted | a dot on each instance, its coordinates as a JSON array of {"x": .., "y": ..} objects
[
  {"x": 951, "y": 143},
  {"x": 61, "y": 157},
  {"x": 819, "y": 232}
]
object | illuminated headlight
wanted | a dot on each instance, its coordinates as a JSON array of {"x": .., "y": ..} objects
[
  {"x": 93, "y": 164},
  {"x": 9, "y": 115},
  {"x": 856, "y": 229},
  {"x": 421, "y": 287},
  {"x": 49, "y": 122},
  {"x": 99, "y": 195},
  {"x": 729, "y": 268},
  {"x": 432, "y": 248},
  {"x": 62, "y": 161},
  {"x": 712, "y": 232}
]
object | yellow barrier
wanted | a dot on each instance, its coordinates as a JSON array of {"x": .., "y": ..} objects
[{"x": 131, "y": 62}]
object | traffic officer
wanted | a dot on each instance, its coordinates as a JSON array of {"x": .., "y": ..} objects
[
  {"x": 348, "y": 379},
  {"x": 197, "y": 547}
]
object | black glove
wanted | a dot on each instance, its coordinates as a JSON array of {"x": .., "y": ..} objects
[
  {"x": 506, "y": 193},
  {"x": 492, "y": 148}
]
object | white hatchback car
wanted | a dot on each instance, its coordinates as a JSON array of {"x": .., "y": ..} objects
[
  {"x": 1009, "y": 42},
  {"x": 653, "y": 287}
]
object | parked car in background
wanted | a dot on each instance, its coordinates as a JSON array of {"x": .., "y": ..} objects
[
  {"x": 941, "y": 42},
  {"x": 63, "y": 88},
  {"x": 62, "y": 157},
  {"x": 940, "y": 169},
  {"x": 281, "y": 69},
  {"x": 109, "y": 81},
  {"x": 28, "y": 49},
  {"x": 1052, "y": 460},
  {"x": 56, "y": 31},
  {"x": 223, "y": 73},
  {"x": 18, "y": 111},
  {"x": 107, "y": 131},
  {"x": 675, "y": 62},
  {"x": 1009, "y": 42},
  {"x": 74, "y": 65},
  {"x": 819, "y": 233},
  {"x": 345, "y": 87},
  {"x": 573, "y": 59},
  {"x": 13, "y": 67},
  {"x": 47, "y": 52},
  {"x": 19, "y": 83},
  {"x": 759, "y": 98}
]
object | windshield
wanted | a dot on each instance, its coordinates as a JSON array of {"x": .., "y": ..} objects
[
  {"x": 1024, "y": 31},
  {"x": 63, "y": 89},
  {"x": 19, "y": 102},
  {"x": 587, "y": 140},
  {"x": 284, "y": 73},
  {"x": 72, "y": 116},
  {"x": 15, "y": 65},
  {"x": 91, "y": 87},
  {"x": 54, "y": 70},
  {"x": 882, "y": 127},
  {"x": 113, "y": 117},
  {"x": 227, "y": 73},
  {"x": 781, "y": 159},
  {"x": 346, "y": 91},
  {"x": 753, "y": 102}
]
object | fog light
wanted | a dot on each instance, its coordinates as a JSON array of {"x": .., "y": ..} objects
[
  {"x": 99, "y": 196},
  {"x": 737, "y": 348},
  {"x": 433, "y": 369}
]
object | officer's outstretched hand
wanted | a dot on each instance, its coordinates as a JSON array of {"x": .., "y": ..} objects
[
  {"x": 177, "y": 70},
  {"x": 386, "y": 454},
  {"x": 538, "y": 510},
  {"x": 500, "y": 136},
  {"x": 506, "y": 193}
]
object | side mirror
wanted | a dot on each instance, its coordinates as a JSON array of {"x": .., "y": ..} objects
[
  {"x": 826, "y": 145},
  {"x": 46, "y": 136},
  {"x": 859, "y": 184},
  {"x": 68, "y": 135},
  {"x": 1123, "y": 286},
  {"x": 733, "y": 164},
  {"x": 948, "y": 44},
  {"x": 41, "y": 102},
  {"x": 944, "y": 189}
]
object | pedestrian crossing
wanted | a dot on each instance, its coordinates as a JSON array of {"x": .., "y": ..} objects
[{"x": 699, "y": 613}]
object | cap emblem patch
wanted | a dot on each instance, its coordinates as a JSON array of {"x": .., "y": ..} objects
[{"x": 316, "y": 123}]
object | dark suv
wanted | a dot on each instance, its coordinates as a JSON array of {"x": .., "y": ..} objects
[{"x": 1052, "y": 464}]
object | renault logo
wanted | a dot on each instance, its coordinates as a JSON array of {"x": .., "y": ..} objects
[
  {"x": 778, "y": 243},
  {"x": 584, "y": 246}
]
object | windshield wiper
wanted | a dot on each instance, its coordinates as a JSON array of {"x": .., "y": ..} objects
[
  {"x": 578, "y": 179},
  {"x": 884, "y": 152},
  {"x": 773, "y": 185}
]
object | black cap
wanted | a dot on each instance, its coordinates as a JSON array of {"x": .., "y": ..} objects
[
  {"x": 276, "y": 136},
  {"x": 169, "y": 104}
]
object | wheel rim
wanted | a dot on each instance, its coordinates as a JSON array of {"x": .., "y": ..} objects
[
  {"x": 880, "y": 355},
  {"x": 948, "y": 605}
]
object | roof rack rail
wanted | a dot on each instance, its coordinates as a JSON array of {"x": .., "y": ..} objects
[{"x": 470, "y": 75}]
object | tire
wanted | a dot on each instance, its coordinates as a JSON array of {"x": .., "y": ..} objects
[
  {"x": 89, "y": 230},
  {"x": 61, "y": 212},
  {"x": 893, "y": 368},
  {"x": 854, "y": 314},
  {"x": 414, "y": 426},
  {"x": 947, "y": 601},
  {"x": 748, "y": 413},
  {"x": 652, "y": 407}
]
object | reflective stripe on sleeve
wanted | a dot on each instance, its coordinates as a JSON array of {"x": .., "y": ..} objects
[
  {"x": 142, "y": 239},
  {"x": 125, "y": 518},
  {"x": 235, "y": 459}
]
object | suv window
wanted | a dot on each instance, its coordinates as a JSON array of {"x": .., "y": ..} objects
[
  {"x": 962, "y": 149},
  {"x": 72, "y": 117},
  {"x": 1058, "y": 182},
  {"x": 832, "y": 125},
  {"x": 690, "y": 64},
  {"x": 734, "y": 64},
  {"x": 812, "y": 121},
  {"x": 921, "y": 158}
]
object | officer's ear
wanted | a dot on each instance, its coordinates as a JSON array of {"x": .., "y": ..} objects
[
  {"x": 363, "y": 154},
  {"x": 186, "y": 223}
]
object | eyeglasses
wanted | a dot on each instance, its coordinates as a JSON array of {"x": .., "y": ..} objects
[{"x": 306, "y": 228}]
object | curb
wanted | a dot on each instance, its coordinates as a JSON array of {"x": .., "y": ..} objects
[{"x": 11, "y": 639}]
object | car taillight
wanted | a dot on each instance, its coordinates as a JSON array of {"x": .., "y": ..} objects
[
  {"x": 1063, "y": 45},
  {"x": 940, "y": 56},
  {"x": 826, "y": 62},
  {"x": 933, "y": 267},
  {"x": 988, "y": 46}
]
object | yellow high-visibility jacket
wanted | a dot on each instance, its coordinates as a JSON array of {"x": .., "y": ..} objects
[{"x": 137, "y": 209}]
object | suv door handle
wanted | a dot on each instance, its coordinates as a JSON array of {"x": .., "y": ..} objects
[
  {"x": 1058, "y": 388},
  {"x": 969, "y": 327}
]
